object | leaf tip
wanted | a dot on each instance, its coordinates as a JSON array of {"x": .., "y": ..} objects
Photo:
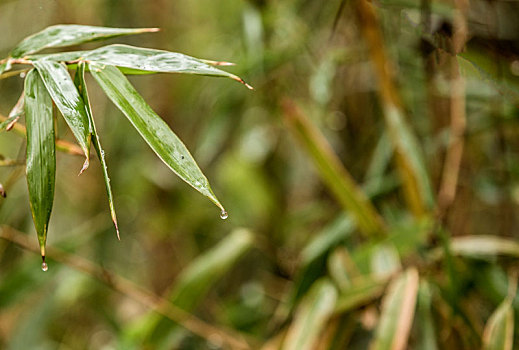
[
  {"x": 151, "y": 30},
  {"x": 85, "y": 166}
]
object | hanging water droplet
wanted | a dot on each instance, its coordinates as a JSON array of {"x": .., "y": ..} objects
[
  {"x": 224, "y": 215},
  {"x": 22, "y": 75},
  {"x": 44, "y": 266}
]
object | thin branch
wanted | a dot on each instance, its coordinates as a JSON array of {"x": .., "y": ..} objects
[
  {"x": 14, "y": 73},
  {"x": 458, "y": 124},
  {"x": 61, "y": 145},
  {"x": 212, "y": 334}
]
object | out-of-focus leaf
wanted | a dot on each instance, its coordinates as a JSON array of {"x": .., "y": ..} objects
[
  {"x": 474, "y": 64},
  {"x": 406, "y": 238},
  {"x": 341, "y": 268},
  {"x": 333, "y": 173},
  {"x": 3, "y": 67},
  {"x": 41, "y": 153},
  {"x": 138, "y": 60},
  {"x": 66, "y": 35},
  {"x": 336, "y": 231},
  {"x": 427, "y": 338},
  {"x": 361, "y": 291},
  {"x": 410, "y": 161},
  {"x": 195, "y": 281},
  {"x": 152, "y": 128},
  {"x": 499, "y": 330},
  {"x": 66, "y": 97},
  {"x": 79, "y": 81},
  {"x": 311, "y": 317},
  {"x": 398, "y": 308},
  {"x": 480, "y": 246},
  {"x": 385, "y": 261},
  {"x": 14, "y": 115}
]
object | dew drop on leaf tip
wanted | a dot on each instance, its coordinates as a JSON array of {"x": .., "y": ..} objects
[
  {"x": 44, "y": 266},
  {"x": 224, "y": 215}
]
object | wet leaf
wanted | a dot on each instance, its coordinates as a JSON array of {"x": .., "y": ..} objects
[
  {"x": 499, "y": 330},
  {"x": 311, "y": 317},
  {"x": 66, "y": 35},
  {"x": 79, "y": 81},
  {"x": 41, "y": 153},
  {"x": 398, "y": 308},
  {"x": 152, "y": 128},
  {"x": 66, "y": 97},
  {"x": 138, "y": 60}
]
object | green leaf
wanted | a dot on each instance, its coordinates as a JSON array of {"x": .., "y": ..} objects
[
  {"x": 398, "y": 308},
  {"x": 66, "y": 97},
  {"x": 311, "y": 317},
  {"x": 362, "y": 291},
  {"x": 476, "y": 64},
  {"x": 67, "y": 35},
  {"x": 480, "y": 246},
  {"x": 138, "y": 60},
  {"x": 41, "y": 153},
  {"x": 410, "y": 160},
  {"x": 152, "y": 128},
  {"x": 427, "y": 338},
  {"x": 79, "y": 81},
  {"x": 195, "y": 281},
  {"x": 499, "y": 330},
  {"x": 14, "y": 115}
]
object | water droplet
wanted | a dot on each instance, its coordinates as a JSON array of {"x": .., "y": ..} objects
[
  {"x": 224, "y": 215},
  {"x": 44, "y": 266},
  {"x": 22, "y": 75}
]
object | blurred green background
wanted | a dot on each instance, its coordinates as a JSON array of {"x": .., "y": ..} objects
[{"x": 289, "y": 268}]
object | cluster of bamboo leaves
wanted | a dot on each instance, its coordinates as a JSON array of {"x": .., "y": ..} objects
[{"x": 48, "y": 82}]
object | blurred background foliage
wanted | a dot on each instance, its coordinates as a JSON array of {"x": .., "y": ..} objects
[{"x": 372, "y": 189}]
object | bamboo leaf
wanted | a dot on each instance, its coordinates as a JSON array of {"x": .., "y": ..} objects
[
  {"x": 14, "y": 115},
  {"x": 333, "y": 173},
  {"x": 138, "y": 60},
  {"x": 361, "y": 292},
  {"x": 311, "y": 317},
  {"x": 79, "y": 81},
  {"x": 152, "y": 128},
  {"x": 41, "y": 154},
  {"x": 499, "y": 330},
  {"x": 195, "y": 281},
  {"x": 66, "y": 97},
  {"x": 397, "y": 315},
  {"x": 66, "y": 35},
  {"x": 427, "y": 339}
]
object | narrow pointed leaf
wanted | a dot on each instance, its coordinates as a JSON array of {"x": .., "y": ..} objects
[
  {"x": 67, "y": 35},
  {"x": 362, "y": 291},
  {"x": 82, "y": 88},
  {"x": 41, "y": 153},
  {"x": 398, "y": 309},
  {"x": 138, "y": 60},
  {"x": 14, "y": 115},
  {"x": 195, "y": 281},
  {"x": 152, "y": 128},
  {"x": 311, "y": 317},
  {"x": 499, "y": 330},
  {"x": 427, "y": 339},
  {"x": 66, "y": 97}
]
